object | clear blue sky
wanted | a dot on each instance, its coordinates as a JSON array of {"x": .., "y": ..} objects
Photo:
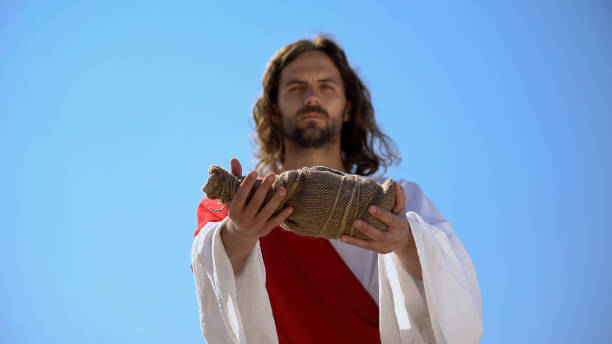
[{"x": 111, "y": 113}]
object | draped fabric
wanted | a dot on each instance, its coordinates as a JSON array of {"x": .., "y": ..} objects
[{"x": 254, "y": 306}]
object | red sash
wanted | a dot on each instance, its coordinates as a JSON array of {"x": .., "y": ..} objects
[{"x": 315, "y": 297}]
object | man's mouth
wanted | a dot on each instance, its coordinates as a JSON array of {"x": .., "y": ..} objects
[
  {"x": 312, "y": 115},
  {"x": 312, "y": 112}
]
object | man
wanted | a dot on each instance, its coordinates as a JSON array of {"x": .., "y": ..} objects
[{"x": 413, "y": 283}]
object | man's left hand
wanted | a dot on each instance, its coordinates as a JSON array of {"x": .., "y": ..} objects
[{"x": 398, "y": 238}]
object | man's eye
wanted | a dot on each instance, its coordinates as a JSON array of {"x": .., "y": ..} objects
[{"x": 327, "y": 87}]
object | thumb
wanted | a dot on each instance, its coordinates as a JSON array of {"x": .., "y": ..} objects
[{"x": 236, "y": 167}]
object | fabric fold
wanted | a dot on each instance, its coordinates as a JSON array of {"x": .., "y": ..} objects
[
  {"x": 450, "y": 284},
  {"x": 226, "y": 300}
]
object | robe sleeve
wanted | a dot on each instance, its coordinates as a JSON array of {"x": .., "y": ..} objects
[
  {"x": 445, "y": 307},
  {"x": 233, "y": 308}
]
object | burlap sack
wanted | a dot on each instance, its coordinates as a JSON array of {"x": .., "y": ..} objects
[{"x": 325, "y": 201}]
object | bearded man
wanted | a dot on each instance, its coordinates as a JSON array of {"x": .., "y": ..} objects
[{"x": 256, "y": 283}]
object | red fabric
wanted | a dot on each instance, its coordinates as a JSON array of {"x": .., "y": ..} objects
[
  {"x": 315, "y": 298},
  {"x": 210, "y": 211}
]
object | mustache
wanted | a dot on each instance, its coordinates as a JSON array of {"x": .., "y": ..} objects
[{"x": 312, "y": 108}]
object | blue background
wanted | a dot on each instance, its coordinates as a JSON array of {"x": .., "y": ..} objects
[{"x": 111, "y": 113}]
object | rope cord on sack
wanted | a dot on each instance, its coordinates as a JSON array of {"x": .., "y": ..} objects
[
  {"x": 349, "y": 204},
  {"x": 357, "y": 204},
  {"x": 291, "y": 191}
]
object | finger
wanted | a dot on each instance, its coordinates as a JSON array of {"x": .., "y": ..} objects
[
  {"x": 370, "y": 231},
  {"x": 236, "y": 167},
  {"x": 366, "y": 244},
  {"x": 255, "y": 203},
  {"x": 279, "y": 218},
  {"x": 400, "y": 199},
  {"x": 268, "y": 209},
  {"x": 243, "y": 191},
  {"x": 385, "y": 216}
]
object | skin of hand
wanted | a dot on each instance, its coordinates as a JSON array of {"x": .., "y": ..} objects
[
  {"x": 398, "y": 239},
  {"x": 250, "y": 221}
]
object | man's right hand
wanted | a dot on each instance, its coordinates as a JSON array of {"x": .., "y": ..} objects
[{"x": 250, "y": 221}]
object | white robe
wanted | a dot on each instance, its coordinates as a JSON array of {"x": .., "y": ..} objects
[{"x": 443, "y": 308}]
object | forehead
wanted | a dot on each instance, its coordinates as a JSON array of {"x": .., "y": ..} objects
[{"x": 311, "y": 64}]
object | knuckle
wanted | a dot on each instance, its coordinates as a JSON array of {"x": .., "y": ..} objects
[
  {"x": 275, "y": 201},
  {"x": 280, "y": 194},
  {"x": 248, "y": 179},
  {"x": 277, "y": 222},
  {"x": 269, "y": 180}
]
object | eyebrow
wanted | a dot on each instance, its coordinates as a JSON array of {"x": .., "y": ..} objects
[{"x": 301, "y": 82}]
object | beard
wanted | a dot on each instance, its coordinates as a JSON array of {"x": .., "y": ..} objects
[{"x": 311, "y": 135}]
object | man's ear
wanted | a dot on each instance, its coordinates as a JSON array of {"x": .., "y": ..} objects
[
  {"x": 347, "y": 111},
  {"x": 275, "y": 117}
]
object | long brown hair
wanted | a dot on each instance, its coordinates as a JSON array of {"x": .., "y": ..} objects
[{"x": 365, "y": 148}]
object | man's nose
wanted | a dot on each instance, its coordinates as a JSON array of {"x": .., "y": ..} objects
[{"x": 311, "y": 96}]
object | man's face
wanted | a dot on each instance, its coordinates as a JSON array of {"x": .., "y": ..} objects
[{"x": 311, "y": 100}]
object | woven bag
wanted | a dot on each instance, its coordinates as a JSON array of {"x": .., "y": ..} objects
[{"x": 325, "y": 201}]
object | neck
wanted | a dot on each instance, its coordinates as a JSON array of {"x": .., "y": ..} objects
[{"x": 297, "y": 157}]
